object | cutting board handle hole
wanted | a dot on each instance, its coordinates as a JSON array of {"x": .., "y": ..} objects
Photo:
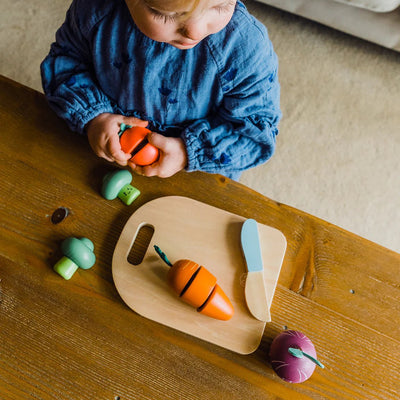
[{"x": 141, "y": 244}]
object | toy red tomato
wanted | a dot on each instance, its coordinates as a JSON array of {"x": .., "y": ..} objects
[{"x": 134, "y": 141}]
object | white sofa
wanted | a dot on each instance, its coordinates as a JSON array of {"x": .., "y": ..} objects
[{"x": 377, "y": 21}]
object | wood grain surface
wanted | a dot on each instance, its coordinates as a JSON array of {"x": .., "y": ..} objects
[{"x": 78, "y": 340}]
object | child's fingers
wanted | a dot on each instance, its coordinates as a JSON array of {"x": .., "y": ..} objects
[
  {"x": 105, "y": 156},
  {"x": 159, "y": 141},
  {"x": 151, "y": 170},
  {"x": 115, "y": 152},
  {"x": 155, "y": 169},
  {"x": 148, "y": 170},
  {"x": 135, "y": 121},
  {"x": 101, "y": 152}
]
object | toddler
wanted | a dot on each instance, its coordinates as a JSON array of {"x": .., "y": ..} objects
[{"x": 200, "y": 74}]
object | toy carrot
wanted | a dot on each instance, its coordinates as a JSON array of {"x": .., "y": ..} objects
[{"x": 198, "y": 287}]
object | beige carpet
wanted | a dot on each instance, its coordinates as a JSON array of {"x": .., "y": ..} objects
[{"x": 339, "y": 144}]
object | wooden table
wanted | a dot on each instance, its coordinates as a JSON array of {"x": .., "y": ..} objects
[{"x": 77, "y": 339}]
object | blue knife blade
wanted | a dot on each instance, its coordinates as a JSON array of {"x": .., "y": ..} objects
[
  {"x": 255, "y": 290},
  {"x": 251, "y": 246}
]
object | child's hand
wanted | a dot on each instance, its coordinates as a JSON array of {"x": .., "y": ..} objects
[
  {"x": 173, "y": 157},
  {"x": 102, "y": 133}
]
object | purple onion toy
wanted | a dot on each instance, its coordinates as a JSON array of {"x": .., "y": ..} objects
[{"x": 293, "y": 356}]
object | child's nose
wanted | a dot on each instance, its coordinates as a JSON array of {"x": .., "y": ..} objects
[{"x": 194, "y": 29}]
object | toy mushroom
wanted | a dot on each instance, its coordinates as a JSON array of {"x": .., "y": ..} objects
[
  {"x": 197, "y": 286},
  {"x": 133, "y": 140},
  {"x": 78, "y": 253},
  {"x": 117, "y": 184},
  {"x": 293, "y": 356}
]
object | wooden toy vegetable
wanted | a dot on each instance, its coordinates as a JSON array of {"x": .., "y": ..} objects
[
  {"x": 197, "y": 286},
  {"x": 117, "y": 184},
  {"x": 133, "y": 140},
  {"x": 293, "y": 356},
  {"x": 78, "y": 253}
]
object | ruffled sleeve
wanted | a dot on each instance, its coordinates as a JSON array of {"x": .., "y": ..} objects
[
  {"x": 241, "y": 134},
  {"x": 67, "y": 74}
]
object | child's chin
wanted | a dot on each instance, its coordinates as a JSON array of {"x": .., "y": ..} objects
[{"x": 183, "y": 45}]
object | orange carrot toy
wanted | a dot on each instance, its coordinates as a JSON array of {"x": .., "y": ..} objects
[{"x": 198, "y": 287}]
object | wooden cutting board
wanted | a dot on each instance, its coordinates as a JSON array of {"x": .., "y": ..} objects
[{"x": 188, "y": 229}]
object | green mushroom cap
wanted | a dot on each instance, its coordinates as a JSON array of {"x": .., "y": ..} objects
[
  {"x": 113, "y": 182},
  {"x": 80, "y": 251}
]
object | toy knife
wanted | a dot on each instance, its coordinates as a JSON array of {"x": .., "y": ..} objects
[{"x": 254, "y": 291}]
